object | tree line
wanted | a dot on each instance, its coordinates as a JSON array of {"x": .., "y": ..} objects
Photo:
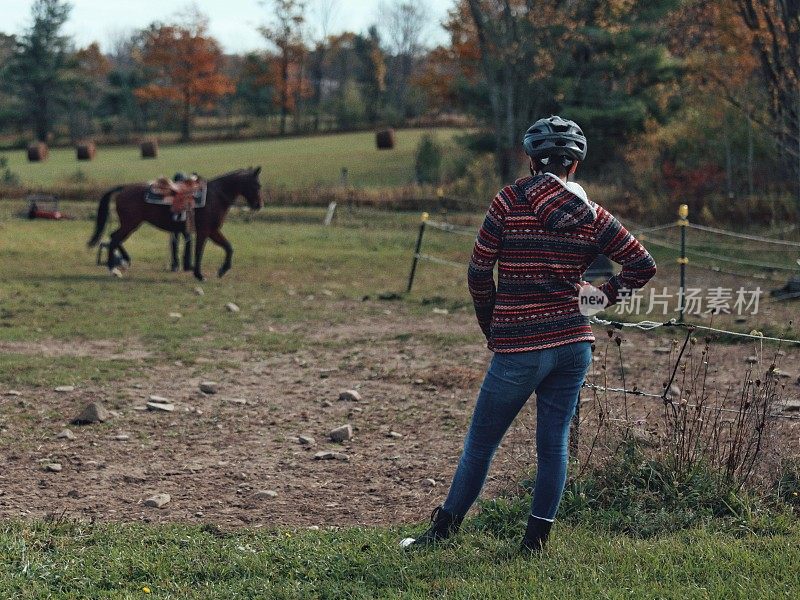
[
  {"x": 690, "y": 96},
  {"x": 173, "y": 74}
]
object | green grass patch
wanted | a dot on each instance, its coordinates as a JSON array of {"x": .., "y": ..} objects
[
  {"x": 22, "y": 370},
  {"x": 73, "y": 560},
  {"x": 284, "y": 272},
  {"x": 642, "y": 497},
  {"x": 291, "y": 162}
]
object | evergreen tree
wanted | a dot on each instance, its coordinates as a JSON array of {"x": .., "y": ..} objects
[
  {"x": 41, "y": 63},
  {"x": 616, "y": 74}
]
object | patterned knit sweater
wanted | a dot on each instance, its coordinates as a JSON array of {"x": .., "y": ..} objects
[{"x": 544, "y": 237}]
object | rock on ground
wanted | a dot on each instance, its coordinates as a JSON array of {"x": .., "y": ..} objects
[
  {"x": 160, "y": 406},
  {"x": 328, "y": 455},
  {"x": 341, "y": 434},
  {"x": 93, "y": 413},
  {"x": 209, "y": 387},
  {"x": 232, "y": 307},
  {"x": 792, "y": 406},
  {"x": 65, "y": 389},
  {"x": 265, "y": 494},
  {"x": 158, "y": 500},
  {"x": 65, "y": 434},
  {"x": 350, "y": 396}
]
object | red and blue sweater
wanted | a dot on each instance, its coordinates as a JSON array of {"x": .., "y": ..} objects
[{"x": 544, "y": 237}]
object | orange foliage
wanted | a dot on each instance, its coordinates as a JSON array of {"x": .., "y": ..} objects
[
  {"x": 292, "y": 87},
  {"x": 437, "y": 76},
  {"x": 187, "y": 65},
  {"x": 715, "y": 44},
  {"x": 92, "y": 61}
]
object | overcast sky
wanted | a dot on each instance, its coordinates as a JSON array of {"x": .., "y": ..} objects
[{"x": 232, "y": 22}]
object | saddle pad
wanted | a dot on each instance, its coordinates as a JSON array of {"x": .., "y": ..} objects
[{"x": 153, "y": 197}]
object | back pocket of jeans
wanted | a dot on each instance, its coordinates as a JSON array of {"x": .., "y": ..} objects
[{"x": 514, "y": 369}]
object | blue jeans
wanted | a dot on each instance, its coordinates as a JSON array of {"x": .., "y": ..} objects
[{"x": 556, "y": 375}]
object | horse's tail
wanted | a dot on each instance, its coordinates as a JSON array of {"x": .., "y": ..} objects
[{"x": 102, "y": 214}]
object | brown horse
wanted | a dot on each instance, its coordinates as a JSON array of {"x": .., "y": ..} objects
[{"x": 220, "y": 196}]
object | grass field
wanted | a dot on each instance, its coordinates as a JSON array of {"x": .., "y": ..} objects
[
  {"x": 305, "y": 331},
  {"x": 292, "y": 162},
  {"x": 109, "y": 561},
  {"x": 51, "y": 283}
]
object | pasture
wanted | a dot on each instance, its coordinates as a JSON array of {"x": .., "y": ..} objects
[
  {"x": 319, "y": 314},
  {"x": 286, "y": 162}
]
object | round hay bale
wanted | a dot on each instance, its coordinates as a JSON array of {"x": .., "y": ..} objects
[
  {"x": 384, "y": 139},
  {"x": 85, "y": 150},
  {"x": 149, "y": 149},
  {"x": 37, "y": 151}
]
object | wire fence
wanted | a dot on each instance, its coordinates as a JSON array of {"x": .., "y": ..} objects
[
  {"x": 685, "y": 253},
  {"x": 688, "y": 251}
]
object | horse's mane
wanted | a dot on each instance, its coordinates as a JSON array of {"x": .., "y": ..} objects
[{"x": 234, "y": 173}]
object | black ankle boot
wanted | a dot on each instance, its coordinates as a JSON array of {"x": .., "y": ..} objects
[
  {"x": 536, "y": 535},
  {"x": 443, "y": 525}
]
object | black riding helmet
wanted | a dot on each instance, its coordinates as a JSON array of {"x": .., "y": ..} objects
[{"x": 555, "y": 136}]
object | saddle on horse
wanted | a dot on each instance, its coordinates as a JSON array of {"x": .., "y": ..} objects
[{"x": 182, "y": 193}]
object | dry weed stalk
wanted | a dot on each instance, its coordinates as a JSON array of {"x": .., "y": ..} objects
[{"x": 725, "y": 431}]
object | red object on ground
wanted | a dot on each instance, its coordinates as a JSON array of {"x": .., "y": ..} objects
[{"x": 53, "y": 215}]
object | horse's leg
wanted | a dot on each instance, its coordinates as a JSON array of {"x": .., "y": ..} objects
[
  {"x": 221, "y": 241},
  {"x": 173, "y": 247},
  {"x": 125, "y": 256},
  {"x": 187, "y": 251},
  {"x": 115, "y": 243},
  {"x": 199, "y": 244}
]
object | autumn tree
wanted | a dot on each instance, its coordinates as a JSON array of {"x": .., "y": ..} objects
[
  {"x": 511, "y": 44},
  {"x": 185, "y": 65},
  {"x": 599, "y": 62},
  {"x": 710, "y": 143},
  {"x": 40, "y": 67},
  {"x": 774, "y": 33},
  {"x": 404, "y": 24},
  {"x": 285, "y": 31}
]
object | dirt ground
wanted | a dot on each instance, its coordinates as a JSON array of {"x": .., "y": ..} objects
[{"x": 215, "y": 451}]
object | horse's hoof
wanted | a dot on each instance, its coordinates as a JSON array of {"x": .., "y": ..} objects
[
  {"x": 199, "y": 276},
  {"x": 174, "y": 268},
  {"x": 222, "y": 272}
]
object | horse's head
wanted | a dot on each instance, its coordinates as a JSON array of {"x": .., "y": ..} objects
[{"x": 251, "y": 188}]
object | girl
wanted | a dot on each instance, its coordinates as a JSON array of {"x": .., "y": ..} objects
[{"x": 544, "y": 232}]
